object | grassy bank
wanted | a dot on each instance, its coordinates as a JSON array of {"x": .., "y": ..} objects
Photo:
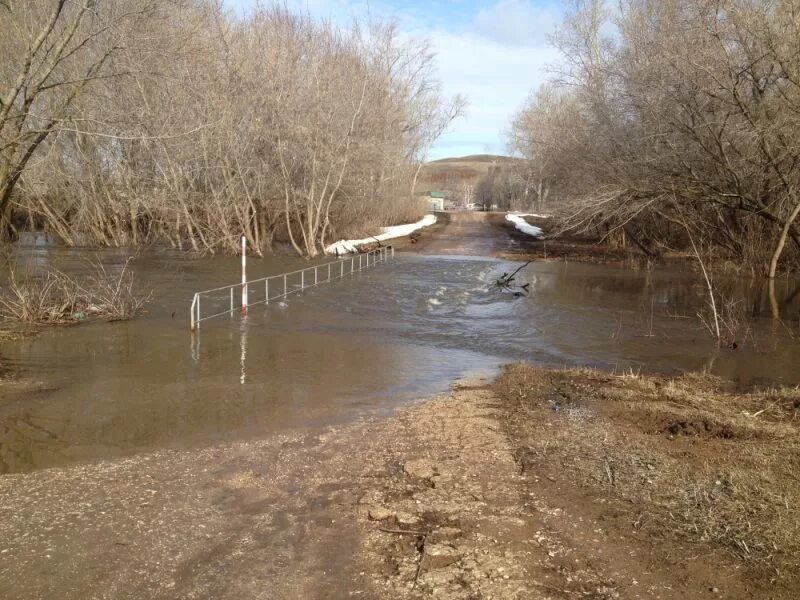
[{"x": 685, "y": 462}]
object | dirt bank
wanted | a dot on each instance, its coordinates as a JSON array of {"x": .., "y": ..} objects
[
  {"x": 696, "y": 479},
  {"x": 529, "y": 489}
]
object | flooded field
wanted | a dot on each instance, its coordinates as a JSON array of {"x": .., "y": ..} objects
[{"x": 357, "y": 346}]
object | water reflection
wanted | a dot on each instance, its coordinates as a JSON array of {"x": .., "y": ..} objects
[{"x": 243, "y": 346}]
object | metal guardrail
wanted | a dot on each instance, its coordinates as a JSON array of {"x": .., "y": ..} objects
[{"x": 276, "y": 287}]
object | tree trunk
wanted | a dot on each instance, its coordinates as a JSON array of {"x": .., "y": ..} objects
[{"x": 773, "y": 264}]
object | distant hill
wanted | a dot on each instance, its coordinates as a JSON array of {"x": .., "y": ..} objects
[
  {"x": 453, "y": 175},
  {"x": 475, "y": 158}
]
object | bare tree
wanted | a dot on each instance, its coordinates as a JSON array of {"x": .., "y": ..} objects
[
  {"x": 689, "y": 108},
  {"x": 125, "y": 122},
  {"x": 54, "y": 52}
]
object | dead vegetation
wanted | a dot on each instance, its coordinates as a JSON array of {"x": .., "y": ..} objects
[
  {"x": 672, "y": 112},
  {"x": 56, "y": 298},
  {"x": 126, "y": 122},
  {"x": 681, "y": 459}
]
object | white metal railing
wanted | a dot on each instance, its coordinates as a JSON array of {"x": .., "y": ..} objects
[{"x": 276, "y": 287}]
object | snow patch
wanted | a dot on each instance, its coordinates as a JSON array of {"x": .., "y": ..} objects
[
  {"x": 525, "y": 227},
  {"x": 387, "y": 233}
]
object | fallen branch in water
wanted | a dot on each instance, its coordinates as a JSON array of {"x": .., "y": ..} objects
[{"x": 506, "y": 282}]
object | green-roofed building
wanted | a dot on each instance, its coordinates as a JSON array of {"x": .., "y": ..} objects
[{"x": 434, "y": 200}]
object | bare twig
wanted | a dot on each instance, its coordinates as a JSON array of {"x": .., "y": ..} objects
[{"x": 403, "y": 532}]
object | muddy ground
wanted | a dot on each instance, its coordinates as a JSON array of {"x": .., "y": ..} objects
[
  {"x": 489, "y": 234},
  {"x": 474, "y": 494},
  {"x": 467, "y": 233}
]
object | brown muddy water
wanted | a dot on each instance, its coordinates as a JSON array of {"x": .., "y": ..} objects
[{"x": 362, "y": 345}]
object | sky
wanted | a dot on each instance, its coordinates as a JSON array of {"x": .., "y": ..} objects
[{"x": 494, "y": 53}]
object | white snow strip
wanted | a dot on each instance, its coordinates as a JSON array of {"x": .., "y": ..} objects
[
  {"x": 387, "y": 233},
  {"x": 523, "y": 225},
  {"x": 534, "y": 215}
]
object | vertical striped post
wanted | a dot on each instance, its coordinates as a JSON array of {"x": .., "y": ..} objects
[{"x": 195, "y": 312}]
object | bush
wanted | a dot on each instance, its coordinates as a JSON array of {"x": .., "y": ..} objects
[{"x": 58, "y": 298}]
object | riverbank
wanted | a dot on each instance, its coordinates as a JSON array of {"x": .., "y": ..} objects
[
  {"x": 545, "y": 484},
  {"x": 688, "y": 472},
  {"x": 569, "y": 247},
  {"x": 575, "y": 247}
]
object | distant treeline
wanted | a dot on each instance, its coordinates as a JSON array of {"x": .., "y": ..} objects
[
  {"x": 131, "y": 121},
  {"x": 674, "y": 124}
]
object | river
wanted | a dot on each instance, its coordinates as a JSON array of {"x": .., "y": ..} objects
[{"x": 353, "y": 347}]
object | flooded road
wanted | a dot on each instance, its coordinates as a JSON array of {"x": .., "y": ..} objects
[{"x": 358, "y": 346}]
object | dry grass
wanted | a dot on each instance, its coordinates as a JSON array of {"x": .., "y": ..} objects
[
  {"x": 58, "y": 298},
  {"x": 727, "y": 320},
  {"x": 681, "y": 459},
  {"x": 11, "y": 335}
]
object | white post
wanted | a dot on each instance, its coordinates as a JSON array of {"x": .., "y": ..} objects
[
  {"x": 244, "y": 276},
  {"x": 192, "y": 310},
  {"x": 266, "y": 291}
]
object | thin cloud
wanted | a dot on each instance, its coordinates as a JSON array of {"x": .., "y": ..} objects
[
  {"x": 494, "y": 55},
  {"x": 517, "y": 22},
  {"x": 495, "y": 81}
]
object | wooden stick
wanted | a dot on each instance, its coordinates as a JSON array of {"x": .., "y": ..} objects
[
  {"x": 403, "y": 532},
  {"x": 419, "y": 567}
]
